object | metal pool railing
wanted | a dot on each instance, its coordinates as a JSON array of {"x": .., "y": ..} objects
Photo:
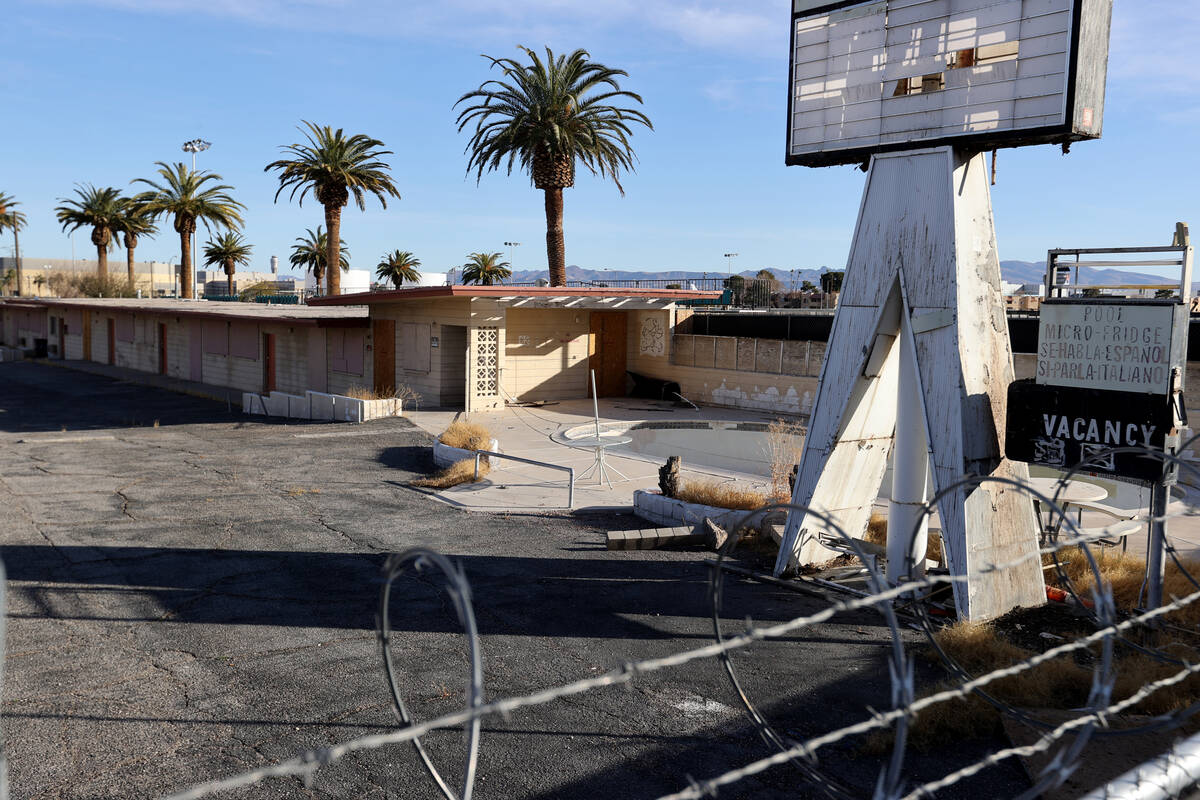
[{"x": 569, "y": 470}]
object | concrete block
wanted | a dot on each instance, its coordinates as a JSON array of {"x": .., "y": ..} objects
[
  {"x": 378, "y": 409},
  {"x": 320, "y": 405},
  {"x": 277, "y": 403},
  {"x": 347, "y": 409},
  {"x": 444, "y": 456},
  {"x": 617, "y": 540},
  {"x": 297, "y": 406},
  {"x": 647, "y": 539}
]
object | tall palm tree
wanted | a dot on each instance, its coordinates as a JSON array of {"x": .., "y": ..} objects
[
  {"x": 182, "y": 193},
  {"x": 334, "y": 167},
  {"x": 134, "y": 222},
  {"x": 398, "y": 266},
  {"x": 99, "y": 209},
  {"x": 545, "y": 116},
  {"x": 12, "y": 220},
  {"x": 310, "y": 253},
  {"x": 227, "y": 251},
  {"x": 485, "y": 269}
]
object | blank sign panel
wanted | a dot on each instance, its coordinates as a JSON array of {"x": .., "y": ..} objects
[{"x": 868, "y": 77}]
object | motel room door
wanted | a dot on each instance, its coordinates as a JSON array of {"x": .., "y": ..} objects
[
  {"x": 383, "y": 342},
  {"x": 608, "y": 358}
]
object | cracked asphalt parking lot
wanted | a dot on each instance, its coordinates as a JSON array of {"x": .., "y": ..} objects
[{"x": 194, "y": 598}]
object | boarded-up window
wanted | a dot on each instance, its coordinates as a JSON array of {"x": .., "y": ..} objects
[
  {"x": 243, "y": 340},
  {"x": 414, "y": 346},
  {"x": 346, "y": 350},
  {"x": 216, "y": 338},
  {"x": 355, "y": 344},
  {"x": 124, "y": 328}
]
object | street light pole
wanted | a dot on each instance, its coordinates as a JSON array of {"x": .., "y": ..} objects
[{"x": 194, "y": 146}]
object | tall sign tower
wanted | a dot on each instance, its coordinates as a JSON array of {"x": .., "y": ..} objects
[{"x": 919, "y": 362}]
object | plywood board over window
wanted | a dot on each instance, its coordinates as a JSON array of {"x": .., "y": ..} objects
[
  {"x": 216, "y": 338},
  {"x": 346, "y": 351},
  {"x": 414, "y": 346},
  {"x": 124, "y": 326},
  {"x": 244, "y": 340}
]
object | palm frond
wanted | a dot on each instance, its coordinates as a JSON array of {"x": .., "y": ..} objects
[
  {"x": 560, "y": 107},
  {"x": 398, "y": 266},
  {"x": 188, "y": 197},
  {"x": 485, "y": 269},
  {"x": 331, "y": 165}
]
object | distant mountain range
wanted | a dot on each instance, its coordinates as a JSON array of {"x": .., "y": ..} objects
[{"x": 1019, "y": 272}]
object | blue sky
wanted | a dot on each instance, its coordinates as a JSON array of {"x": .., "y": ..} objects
[{"x": 95, "y": 91}]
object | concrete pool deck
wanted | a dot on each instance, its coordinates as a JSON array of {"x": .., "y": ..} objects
[{"x": 525, "y": 431}]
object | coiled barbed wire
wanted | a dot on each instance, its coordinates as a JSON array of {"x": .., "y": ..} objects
[
  {"x": 904, "y": 705},
  {"x": 419, "y": 560}
]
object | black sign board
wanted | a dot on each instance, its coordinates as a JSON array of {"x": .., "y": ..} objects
[{"x": 1058, "y": 426}]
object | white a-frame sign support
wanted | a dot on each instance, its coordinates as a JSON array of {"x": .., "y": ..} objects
[{"x": 920, "y": 326}]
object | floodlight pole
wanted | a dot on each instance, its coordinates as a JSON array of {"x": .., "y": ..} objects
[
  {"x": 512, "y": 260},
  {"x": 729, "y": 263},
  {"x": 194, "y": 146}
]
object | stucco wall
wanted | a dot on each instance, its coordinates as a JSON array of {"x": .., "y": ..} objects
[
  {"x": 546, "y": 354},
  {"x": 434, "y": 313},
  {"x": 724, "y": 385}
]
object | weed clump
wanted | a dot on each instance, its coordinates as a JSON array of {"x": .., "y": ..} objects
[
  {"x": 722, "y": 495},
  {"x": 466, "y": 436},
  {"x": 458, "y": 472}
]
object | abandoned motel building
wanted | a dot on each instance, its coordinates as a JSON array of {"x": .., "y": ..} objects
[{"x": 469, "y": 348}]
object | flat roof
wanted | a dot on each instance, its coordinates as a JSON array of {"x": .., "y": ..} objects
[
  {"x": 342, "y": 316},
  {"x": 512, "y": 293}
]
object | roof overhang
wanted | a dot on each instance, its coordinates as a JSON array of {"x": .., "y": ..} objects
[
  {"x": 204, "y": 310},
  {"x": 593, "y": 297}
]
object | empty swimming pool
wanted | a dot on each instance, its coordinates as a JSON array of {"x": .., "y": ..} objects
[{"x": 743, "y": 447}]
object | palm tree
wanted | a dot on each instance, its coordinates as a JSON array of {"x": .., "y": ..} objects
[
  {"x": 39, "y": 281},
  {"x": 485, "y": 269},
  {"x": 398, "y": 266},
  {"x": 544, "y": 119},
  {"x": 310, "y": 253},
  {"x": 99, "y": 209},
  {"x": 13, "y": 220},
  {"x": 182, "y": 193},
  {"x": 134, "y": 222},
  {"x": 333, "y": 167},
  {"x": 227, "y": 251}
]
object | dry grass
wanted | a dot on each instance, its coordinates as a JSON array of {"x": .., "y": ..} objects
[
  {"x": 785, "y": 449},
  {"x": 722, "y": 495},
  {"x": 300, "y": 491},
  {"x": 402, "y": 393},
  {"x": 1124, "y": 573},
  {"x": 466, "y": 435},
  {"x": 458, "y": 472},
  {"x": 876, "y": 533}
]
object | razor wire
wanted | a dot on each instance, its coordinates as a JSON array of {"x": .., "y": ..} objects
[{"x": 1073, "y": 735}]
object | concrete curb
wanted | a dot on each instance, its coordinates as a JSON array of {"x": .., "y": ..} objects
[
  {"x": 445, "y": 455},
  {"x": 669, "y": 512}
]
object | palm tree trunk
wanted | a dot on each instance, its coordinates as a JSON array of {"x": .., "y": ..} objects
[
  {"x": 556, "y": 254},
  {"x": 17, "y": 256},
  {"x": 129, "y": 262},
  {"x": 102, "y": 261},
  {"x": 229, "y": 278},
  {"x": 333, "y": 251},
  {"x": 185, "y": 264}
]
